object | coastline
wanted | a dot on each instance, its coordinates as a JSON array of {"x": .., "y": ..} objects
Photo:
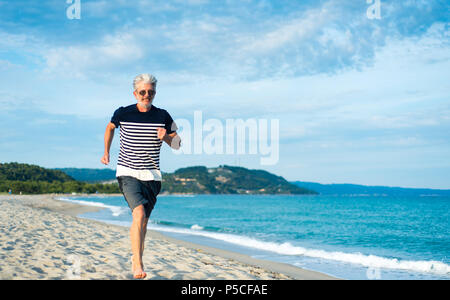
[{"x": 44, "y": 236}]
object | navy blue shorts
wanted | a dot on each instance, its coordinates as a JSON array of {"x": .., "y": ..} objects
[{"x": 137, "y": 192}]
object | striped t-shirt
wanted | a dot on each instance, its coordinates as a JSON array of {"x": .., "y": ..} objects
[{"x": 139, "y": 143}]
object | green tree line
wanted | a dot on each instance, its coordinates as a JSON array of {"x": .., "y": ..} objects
[
  {"x": 31, "y": 179},
  {"x": 45, "y": 187}
]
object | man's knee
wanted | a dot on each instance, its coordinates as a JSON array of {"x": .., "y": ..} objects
[{"x": 139, "y": 213}]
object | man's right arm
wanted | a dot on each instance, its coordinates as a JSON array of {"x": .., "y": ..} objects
[{"x": 109, "y": 135}]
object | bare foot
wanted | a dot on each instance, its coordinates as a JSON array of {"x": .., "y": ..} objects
[{"x": 137, "y": 269}]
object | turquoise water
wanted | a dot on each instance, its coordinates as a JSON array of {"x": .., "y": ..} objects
[{"x": 350, "y": 237}]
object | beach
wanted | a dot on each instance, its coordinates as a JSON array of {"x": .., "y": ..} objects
[{"x": 42, "y": 238}]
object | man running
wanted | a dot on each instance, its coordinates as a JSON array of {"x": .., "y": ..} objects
[{"x": 143, "y": 128}]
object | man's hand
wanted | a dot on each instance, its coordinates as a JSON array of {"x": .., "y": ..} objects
[
  {"x": 105, "y": 159},
  {"x": 109, "y": 135},
  {"x": 162, "y": 133},
  {"x": 173, "y": 140}
]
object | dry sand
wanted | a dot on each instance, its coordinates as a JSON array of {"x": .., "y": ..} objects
[{"x": 41, "y": 238}]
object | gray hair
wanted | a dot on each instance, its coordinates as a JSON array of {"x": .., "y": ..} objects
[{"x": 146, "y": 78}]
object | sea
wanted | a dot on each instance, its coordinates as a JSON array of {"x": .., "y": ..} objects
[{"x": 354, "y": 236}]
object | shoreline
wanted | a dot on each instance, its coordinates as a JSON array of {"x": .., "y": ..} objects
[{"x": 221, "y": 264}]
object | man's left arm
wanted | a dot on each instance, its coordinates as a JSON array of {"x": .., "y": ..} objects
[{"x": 173, "y": 139}]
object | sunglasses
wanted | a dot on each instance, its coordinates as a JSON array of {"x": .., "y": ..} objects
[{"x": 144, "y": 92}]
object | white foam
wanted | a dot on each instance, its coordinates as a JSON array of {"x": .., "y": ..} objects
[
  {"x": 196, "y": 227},
  {"x": 116, "y": 210},
  {"x": 370, "y": 261}
]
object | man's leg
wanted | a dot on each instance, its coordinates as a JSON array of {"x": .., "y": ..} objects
[
  {"x": 137, "y": 234},
  {"x": 144, "y": 230}
]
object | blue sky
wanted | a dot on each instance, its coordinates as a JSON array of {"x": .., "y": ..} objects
[{"x": 359, "y": 100}]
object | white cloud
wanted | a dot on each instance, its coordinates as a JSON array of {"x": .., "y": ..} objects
[
  {"x": 324, "y": 38},
  {"x": 19, "y": 41},
  {"x": 47, "y": 121},
  {"x": 6, "y": 64},
  {"x": 192, "y": 2},
  {"x": 113, "y": 51},
  {"x": 408, "y": 75},
  {"x": 13, "y": 100},
  {"x": 290, "y": 31},
  {"x": 140, "y": 8}
]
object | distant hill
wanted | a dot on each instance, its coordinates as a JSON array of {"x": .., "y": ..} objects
[
  {"x": 228, "y": 180},
  {"x": 354, "y": 189},
  {"x": 90, "y": 175},
  {"x": 25, "y": 172},
  {"x": 202, "y": 180}
]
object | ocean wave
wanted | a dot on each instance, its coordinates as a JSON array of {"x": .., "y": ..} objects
[
  {"x": 369, "y": 261},
  {"x": 115, "y": 210},
  {"x": 196, "y": 227}
]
